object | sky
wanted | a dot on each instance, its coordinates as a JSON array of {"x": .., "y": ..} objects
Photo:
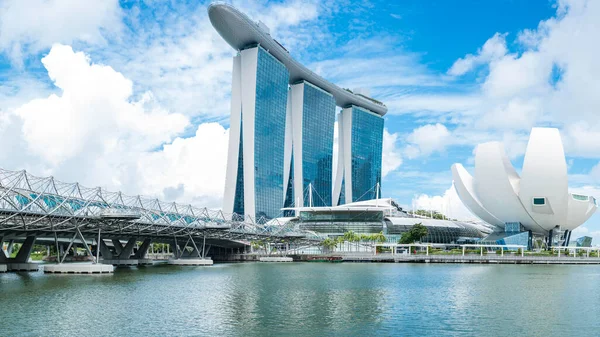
[{"x": 134, "y": 95}]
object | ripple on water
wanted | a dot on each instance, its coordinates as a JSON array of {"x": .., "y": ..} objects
[{"x": 254, "y": 299}]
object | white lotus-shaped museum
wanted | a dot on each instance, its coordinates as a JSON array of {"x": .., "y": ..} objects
[{"x": 539, "y": 199}]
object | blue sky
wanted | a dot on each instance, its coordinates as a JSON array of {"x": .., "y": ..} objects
[{"x": 134, "y": 95}]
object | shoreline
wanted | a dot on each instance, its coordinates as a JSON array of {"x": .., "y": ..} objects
[{"x": 388, "y": 258}]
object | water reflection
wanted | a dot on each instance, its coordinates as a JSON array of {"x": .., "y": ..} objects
[{"x": 305, "y": 299}]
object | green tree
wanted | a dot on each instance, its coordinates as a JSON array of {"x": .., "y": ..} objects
[
  {"x": 328, "y": 244},
  {"x": 379, "y": 237},
  {"x": 414, "y": 234}
]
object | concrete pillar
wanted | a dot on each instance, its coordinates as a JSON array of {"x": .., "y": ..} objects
[
  {"x": 118, "y": 246},
  {"x": 9, "y": 248},
  {"x": 105, "y": 251},
  {"x": 3, "y": 255},
  {"x": 128, "y": 249},
  {"x": 143, "y": 249},
  {"x": 25, "y": 250}
]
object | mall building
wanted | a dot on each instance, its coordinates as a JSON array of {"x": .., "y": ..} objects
[
  {"x": 281, "y": 134},
  {"x": 383, "y": 216}
]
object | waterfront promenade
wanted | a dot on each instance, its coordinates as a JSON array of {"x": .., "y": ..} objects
[{"x": 422, "y": 258}]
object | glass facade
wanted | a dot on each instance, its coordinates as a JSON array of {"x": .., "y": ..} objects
[
  {"x": 289, "y": 195},
  {"x": 512, "y": 238},
  {"x": 343, "y": 216},
  {"x": 272, "y": 80},
  {"x": 513, "y": 227},
  {"x": 238, "y": 201},
  {"x": 318, "y": 118},
  {"x": 584, "y": 241},
  {"x": 342, "y": 200},
  {"x": 367, "y": 143},
  {"x": 459, "y": 232},
  {"x": 336, "y": 223}
]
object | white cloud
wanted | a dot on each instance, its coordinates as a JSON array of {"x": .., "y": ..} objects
[
  {"x": 27, "y": 27},
  {"x": 95, "y": 133},
  {"x": 183, "y": 61},
  {"x": 189, "y": 169},
  {"x": 93, "y": 112},
  {"x": 550, "y": 81},
  {"x": 448, "y": 204},
  {"x": 493, "y": 49},
  {"x": 427, "y": 139},
  {"x": 392, "y": 158}
]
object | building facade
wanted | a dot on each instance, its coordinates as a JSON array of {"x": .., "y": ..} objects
[
  {"x": 282, "y": 128},
  {"x": 309, "y": 145},
  {"x": 254, "y": 177},
  {"x": 360, "y": 146},
  {"x": 537, "y": 201},
  {"x": 382, "y": 216}
]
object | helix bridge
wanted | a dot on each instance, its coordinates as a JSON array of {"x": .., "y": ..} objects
[{"x": 47, "y": 207}]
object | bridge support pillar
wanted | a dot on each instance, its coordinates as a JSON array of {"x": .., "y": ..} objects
[
  {"x": 77, "y": 268},
  {"x": 105, "y": 251},
  {"x": 21, "y": 261},
  {"x": 9, "y": 248},
  {"x": 118, "y": 246},
  {"x": 128, "y": 249},
  {"x": 140, "y": 255},
  {"x": 123, "y": 254},
  {"x": 3, "y": 255},
  {"x": 199, "y": 261}
]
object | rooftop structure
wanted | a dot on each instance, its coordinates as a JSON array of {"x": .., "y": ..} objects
[
  {"x": 537, "y": 201},
  {"x": 240, "y": 31}
]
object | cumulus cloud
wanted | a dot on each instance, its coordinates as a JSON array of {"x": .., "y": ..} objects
[
  {"x": 188, "y": 169},
  {"x": 427, "y": 139},
  {"x": 92, "y": 112},
  {"x": 93, "y": 132},
  {"x": 31, "y": 26},
  {"x": 448, "y": 204}
]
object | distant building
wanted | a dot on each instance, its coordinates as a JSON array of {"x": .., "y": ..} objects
[
  {"x": 282, "y": 124},
  {"x": 382, "y": 215},
  {"x": 584, "y": 241}
]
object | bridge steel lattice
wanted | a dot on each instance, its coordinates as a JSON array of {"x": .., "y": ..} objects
[{"x": 46, "y": 207}]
